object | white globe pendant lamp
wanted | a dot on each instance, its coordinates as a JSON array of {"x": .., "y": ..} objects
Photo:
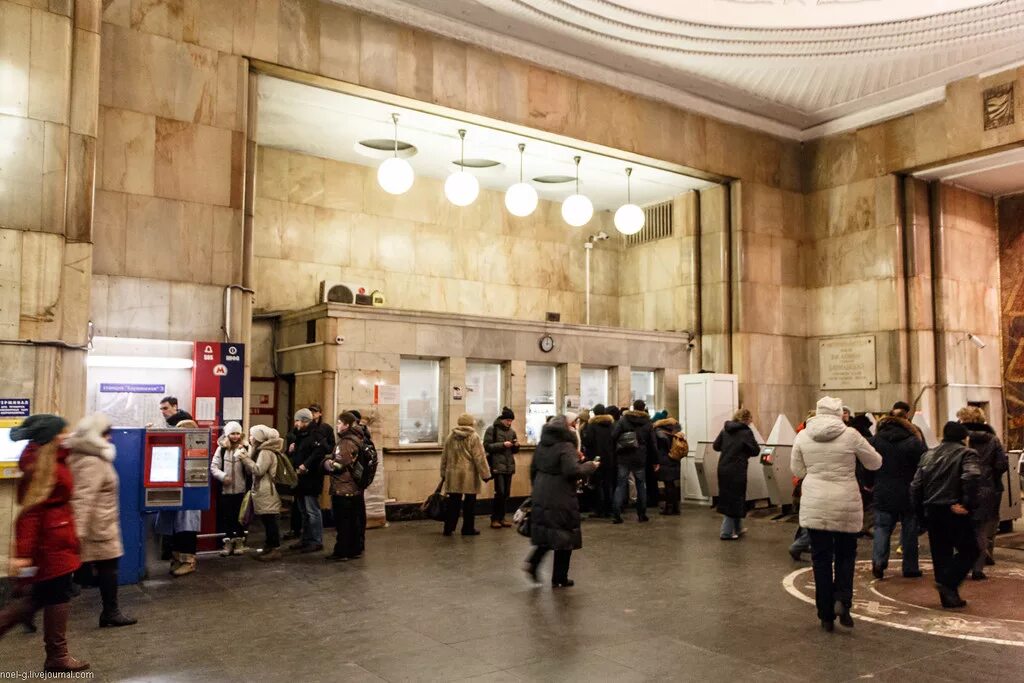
[
  {"x": 461, "y": 188},
  {"x": 521, "y": 198},
  {"x": 629, "y": 218},
  {"x": 577, "y": 209},
  {"x": 395, "y": 176}
]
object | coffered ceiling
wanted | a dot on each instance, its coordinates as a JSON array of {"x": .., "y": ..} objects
[{"x": 795, "y": 68}]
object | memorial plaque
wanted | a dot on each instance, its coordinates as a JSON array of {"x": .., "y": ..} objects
[{"x": 847, "y": 363}]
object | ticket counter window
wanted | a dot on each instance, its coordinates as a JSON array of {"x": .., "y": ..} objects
[
  {"x": 593, "y": 387},
  {"x": 642, "y": 387},
  {"x": 541, "y": 392},
  {"x": 483, "y": 393},
  {"x": 419, "y": 401}
]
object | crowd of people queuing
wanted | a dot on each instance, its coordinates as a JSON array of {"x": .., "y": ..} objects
[{"x": 848, "y": 482}]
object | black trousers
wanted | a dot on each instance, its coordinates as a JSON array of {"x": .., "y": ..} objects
[
  {"x": 30, "y": 598},
  {"x": 465, "y": 504},
  {"x": 184, "y": 542},
  {"x": 833, "y": 554},
  {"x": 228, "y": 507},
  {"x": 673, "y": 495},
  {"x": 502, "y": 488},
  {"x": 273, "y": 534},
  {"x": 560, "y": 570},
  {"x": 953, "y": 543},
  {"x": 350, "y": 525},
  {"x": 106, "y": 579},
  {"x": 609, "y": 480}
]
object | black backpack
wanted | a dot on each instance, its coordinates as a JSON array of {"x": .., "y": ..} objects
[
  {"x": 627, "y": 443},
  {"x": 364, "y": 469}
]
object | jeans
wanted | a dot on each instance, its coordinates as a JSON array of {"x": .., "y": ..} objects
[
  {"x": 985, "y": 533},
  {"x": 885, "y": 522},
  {"x": 560, "y": 569},
  {"x": 832, "y": 550},
  {"x": 801, "y": 542},
  {"x": 273, "y": 535},
  {"x": 312, "y": 522},
  {"x": 623, "y": 487},
  {"x": 953, "y": 543},
  {"x": 350, "y": 523},
  {"x": 731, "y": 526},
  {"x": 502, "y": 486},
  {"x": 468, "y": 509}
]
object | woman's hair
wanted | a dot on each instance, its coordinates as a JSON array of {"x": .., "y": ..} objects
[
  {"x": 970, "y": 414},
  {"x": 742, "y": 415},
  {"x": 41, "y": 476}
]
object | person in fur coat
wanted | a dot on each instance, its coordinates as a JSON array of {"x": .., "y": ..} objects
[
  {"x": 97, "y": 511},
  {"x": 463, "y": 468}
]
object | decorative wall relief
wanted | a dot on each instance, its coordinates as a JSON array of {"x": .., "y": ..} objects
[
  {"x": 998, "y": 106},
  {"x": 1011, "y": 269}
]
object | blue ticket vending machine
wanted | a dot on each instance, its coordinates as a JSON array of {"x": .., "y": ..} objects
[{"x": 159, "y": 469}]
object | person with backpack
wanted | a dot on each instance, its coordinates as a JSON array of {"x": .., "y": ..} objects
[
  {"x": 737, "y": 444},
  {"x": 501, "y": 445},
  {"x": 308, "y": 457},
  {"x": 463, "y": 467},
  {"x": 672, "y": 448},
  {"x": 348, "y": 467},
  {"x": 634, "y": 449},
  {"x": 226, "y": 467},
  {"x": 268, "y": 446},
  {"x": 993, "y": 463}
]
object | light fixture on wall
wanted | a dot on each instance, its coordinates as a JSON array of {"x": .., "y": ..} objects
[
  {"x": 395, "y": 175},
  {"x": 462, "y": 187},
  {"x": 577, "y": 210},
  {"x": 629, "y": 219},
  {"x": 521, "y": 198}
]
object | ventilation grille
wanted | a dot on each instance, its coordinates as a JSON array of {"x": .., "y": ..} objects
[{"x": 657, "y": 224}]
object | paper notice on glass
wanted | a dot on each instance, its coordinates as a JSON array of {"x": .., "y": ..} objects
[
  {"x": 386, "y": 394},
  {"x": 206, "y": 409},
  {"x": 232, "y": 408}
]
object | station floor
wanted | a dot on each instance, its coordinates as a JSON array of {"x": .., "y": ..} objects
[{"x": 655, "y": 602}]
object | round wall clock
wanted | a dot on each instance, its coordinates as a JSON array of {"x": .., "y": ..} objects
[{"x": 547, "y": 343}]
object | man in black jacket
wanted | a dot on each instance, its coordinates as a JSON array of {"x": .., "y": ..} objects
[
  {"x": 308, "y": 458},
  {"x": 899, "y": 443},
  {"x": 326, "y": 430},
  {"x": 944, "y": 492},
  {"x": 598, "y": 443},
  {"x": 634, "y": 450},
  {"x": 501, "y": 445}
]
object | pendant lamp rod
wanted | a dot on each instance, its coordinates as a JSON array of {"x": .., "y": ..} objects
[
  {"x": 462, "y": 149},
  {"x": 522, "y": 148},
  {"x": 577, "y": 160},
  {"x": 629, "y": 172},
  {"x": 394, "y": 117}
]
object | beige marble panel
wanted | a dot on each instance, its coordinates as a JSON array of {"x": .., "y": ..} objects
[
  {"x": 81, "y": 186},
  {"x": 42, "y": 260},
  {"x": 117, "y": 12},
  {"x": 196, "y": 311},
  {"x": 306, "y": 179},
  {"x": 10, "y": 283},
  {"x": 297, "y": 232},
  {"x": 143, "y": 71},
  {"x": 268, "y": 223},
  {"x": 232, "y": 78},
  {"x": 154, "y": 221},
  {"x": 256, "y": 30},
  {"x": 49, "y": 76},
  {"x": 109, "y": 233},
  {"x": 227, "y": 246},
  {"x": 138, "y": 307},
  {"x": 339, "y": 43},
  {"x": 193, "y": 162},
  {"x": 75, "y": 292},
  {"x": 378, "y": 54},
  {"x": 89, "y": 15},
  {"x": 85, "y": 83},
  {"x": 56, "y": 189},
  {"x": 21, "y": 173},
  {"x": 343, "y": 186},
  {"x": 162, "y": 17},
  {"x": 16, "y": 28},
  {"x": 272, "y": 174},
  {"x": 332, "y": 237},
  {"x": 128, "y": 149},
  {"x": 299, "y": 34},
  {"x": 211, "y": 24}
]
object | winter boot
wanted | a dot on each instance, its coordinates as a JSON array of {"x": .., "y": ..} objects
[
  {"x": 175, "y": 562},
  {"x": 239, "y": 545},
  {"x": 115, "y": 617},
  {"x": 55, "y": 626},
  {"x": 229, "y": 547},
  {"x": 187, "y": 566}
]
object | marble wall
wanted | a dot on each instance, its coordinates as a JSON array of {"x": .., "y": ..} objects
[
  {"x": 320, "y": 219},
  {"x": 1011, "y": 271}
]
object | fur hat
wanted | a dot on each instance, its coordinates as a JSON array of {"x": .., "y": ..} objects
[
  {"x": 232, "y": 428},
  {"x": 829, "y": 406},
  {"x": 303, "y": 415},
  {"x": 466, "y": 420},
  {"x": 507, "y": 414},
  {"x": 954, "y": 431}
]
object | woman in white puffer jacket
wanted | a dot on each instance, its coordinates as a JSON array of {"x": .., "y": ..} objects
[{"x": 825, "y": 455}]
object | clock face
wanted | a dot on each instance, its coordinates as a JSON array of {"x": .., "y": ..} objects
[{"x": 547, "y": 343}]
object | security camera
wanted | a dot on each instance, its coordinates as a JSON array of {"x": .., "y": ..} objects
[
  {"x": 976, "y": 341},
  {"x": 339, "y": 339}
]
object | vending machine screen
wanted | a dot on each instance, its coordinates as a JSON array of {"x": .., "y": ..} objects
[{"x": 165, "y": 465}]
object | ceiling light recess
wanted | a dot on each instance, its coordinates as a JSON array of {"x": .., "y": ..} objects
[
  {"x": 577, "y": 209},
  {"x": 461, "y": 188},
  {"x": 521, "y": 198},
  {"x": 395, "y": 175},
  {"x": 629, "y": 218}
]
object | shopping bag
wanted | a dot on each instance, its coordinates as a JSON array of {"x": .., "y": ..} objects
[
  {"x": 521, "y": 518},
  {"x": 245, "y": 513},
  {"x": 435, "y": 504}
]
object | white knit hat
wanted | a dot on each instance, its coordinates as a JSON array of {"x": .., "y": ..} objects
[
  {"x": 570, "y": 418},
  {"x": 261, "y": 433},
  {"x": 829, "y": 406},
  {"x": 232, "y": 428}
]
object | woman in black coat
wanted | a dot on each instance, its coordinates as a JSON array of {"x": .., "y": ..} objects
[
  {"x": 669, "y": 470},
  {"x": 555, "y": 519},
  {"x": 736, "y": 443}
]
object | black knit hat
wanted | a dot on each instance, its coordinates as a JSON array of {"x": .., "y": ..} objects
[
  {"x": 639, "y": 404},
  {"x": 39, "y": 429},
  {"x": 954, "y": 431},
  {"x": 507, "y": 414}
]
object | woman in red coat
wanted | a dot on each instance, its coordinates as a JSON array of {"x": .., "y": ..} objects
[{"x": 46, "y": 546}]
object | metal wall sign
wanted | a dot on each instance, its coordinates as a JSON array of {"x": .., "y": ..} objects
[{"x": 847, "y": 363}]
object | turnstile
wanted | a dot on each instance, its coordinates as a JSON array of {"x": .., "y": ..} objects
[
  {"x": 774, "y": 461},
  {"x": 1009, "y": 504}
]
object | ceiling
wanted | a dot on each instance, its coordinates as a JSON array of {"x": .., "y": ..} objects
[
  {"x": 329, "y": 124},
  {"x": 795, "y": 68},
  {"x": 995, "y": 175}
]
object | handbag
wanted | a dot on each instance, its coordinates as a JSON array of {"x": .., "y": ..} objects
[
  {"x": 246, "y": 512},
  {"x": 522, "y": 518},
  {"x": 435, "y": 506}
]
